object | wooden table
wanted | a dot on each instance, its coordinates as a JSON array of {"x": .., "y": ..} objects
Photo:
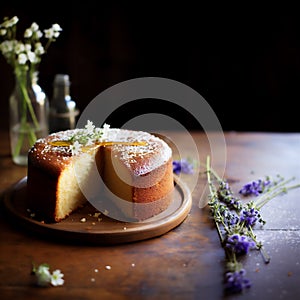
[{"x": 185, "y": 263}]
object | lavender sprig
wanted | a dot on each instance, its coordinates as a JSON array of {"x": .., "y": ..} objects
[
  {"x": 236, "y": 281},
  {"x": 183, "y": 166},
  {"x": 256, "y": 187},
  {"x": 235, "y": 221}
]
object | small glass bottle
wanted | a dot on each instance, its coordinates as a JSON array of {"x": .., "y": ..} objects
[{"x": 63, "y": 110}]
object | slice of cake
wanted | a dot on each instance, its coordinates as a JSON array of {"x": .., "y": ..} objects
[{"x": 132, "y": 169}]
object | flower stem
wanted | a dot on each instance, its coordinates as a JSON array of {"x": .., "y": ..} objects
[
  {"x": 270, "y": 195},
  {"x": 25, "y": 127},
  {"x": 19, "y": 144},
  {"x": 29, "y": 104},
  {"x": 265, "y": 255}
]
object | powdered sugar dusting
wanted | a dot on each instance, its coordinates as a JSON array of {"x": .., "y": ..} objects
[
  {"x": 131, "y": 156},
  {"x": 44, "y": 151}
]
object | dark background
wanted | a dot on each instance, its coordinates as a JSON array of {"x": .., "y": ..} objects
[{"x": 245, "y": 62}]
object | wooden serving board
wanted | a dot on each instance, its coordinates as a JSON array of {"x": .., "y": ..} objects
[{"x": 87, "y": 226}]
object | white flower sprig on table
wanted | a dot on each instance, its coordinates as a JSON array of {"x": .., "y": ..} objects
[
  {"x": 235, "y": 221},
  {"x": 45, "y": 278}
]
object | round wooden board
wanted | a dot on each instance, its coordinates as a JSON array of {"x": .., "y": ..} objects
[{"x": 98, "y": 229}]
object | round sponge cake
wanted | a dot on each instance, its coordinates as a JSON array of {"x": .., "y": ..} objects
[{"x": 67, "y": 168}]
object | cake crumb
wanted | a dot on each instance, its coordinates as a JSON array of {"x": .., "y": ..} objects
[
  {"x": 83, "y": 220},
  {"x": 93, "y": 223},
  {"x": 133, "y": 265},
  {"x": 125, "y": 228},
  {"x": 96, "y": 270},
  {"x": 106, "y": 212},
  {"x": 107, "y": 267},
  {"x": 93, "y": 279}
]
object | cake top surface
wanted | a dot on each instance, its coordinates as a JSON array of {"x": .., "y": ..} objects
[{"x": 138, "y": 150}]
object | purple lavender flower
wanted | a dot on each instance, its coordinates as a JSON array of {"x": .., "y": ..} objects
[
  {"x": 226, "y": 195},
  {"x": 249, "y": 217},
  {"x": 239, "y": 244},
  {"x": 255, "y": 187},
  {"x": 182, "y": 166},
  {"x": 236, "y": 281}
]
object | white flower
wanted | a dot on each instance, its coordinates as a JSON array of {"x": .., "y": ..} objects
[
  {"x": 57, "y": 278},
  {"x": 27, "y": 47},
  {"x": 43, "y": 275},
  {"x": 90, "y": 127},
  {"x": 105, "y": 131},
  {"x": 49, "y": 33},
  {"x": 34, "y": 27},
  {"x": 39, "y": 49},
  {"x": 14, "y": 21},
  {"x": 75, "y": 148},
  {"x": 56, "y": 34},
  {"x": 10, "y": 22},
  {"x": 56, "y": 27},
  {"x": 39, "y": 34},
  {"x": 53, "y": 32},
  {"x": 32, "y": 57},
  {"x": 20, "y": 47},
  {"x": 3, "y": 31},
  {"x": 22, "y": 58},
  {"x": 28, "y": 33},
  {"x": 7, "y": 46},
  {"x": 88, "y": 136},
  {"x": 106, "y": 126}
]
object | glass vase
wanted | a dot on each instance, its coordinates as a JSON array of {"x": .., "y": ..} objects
[{"x": 28, "y": 115}]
